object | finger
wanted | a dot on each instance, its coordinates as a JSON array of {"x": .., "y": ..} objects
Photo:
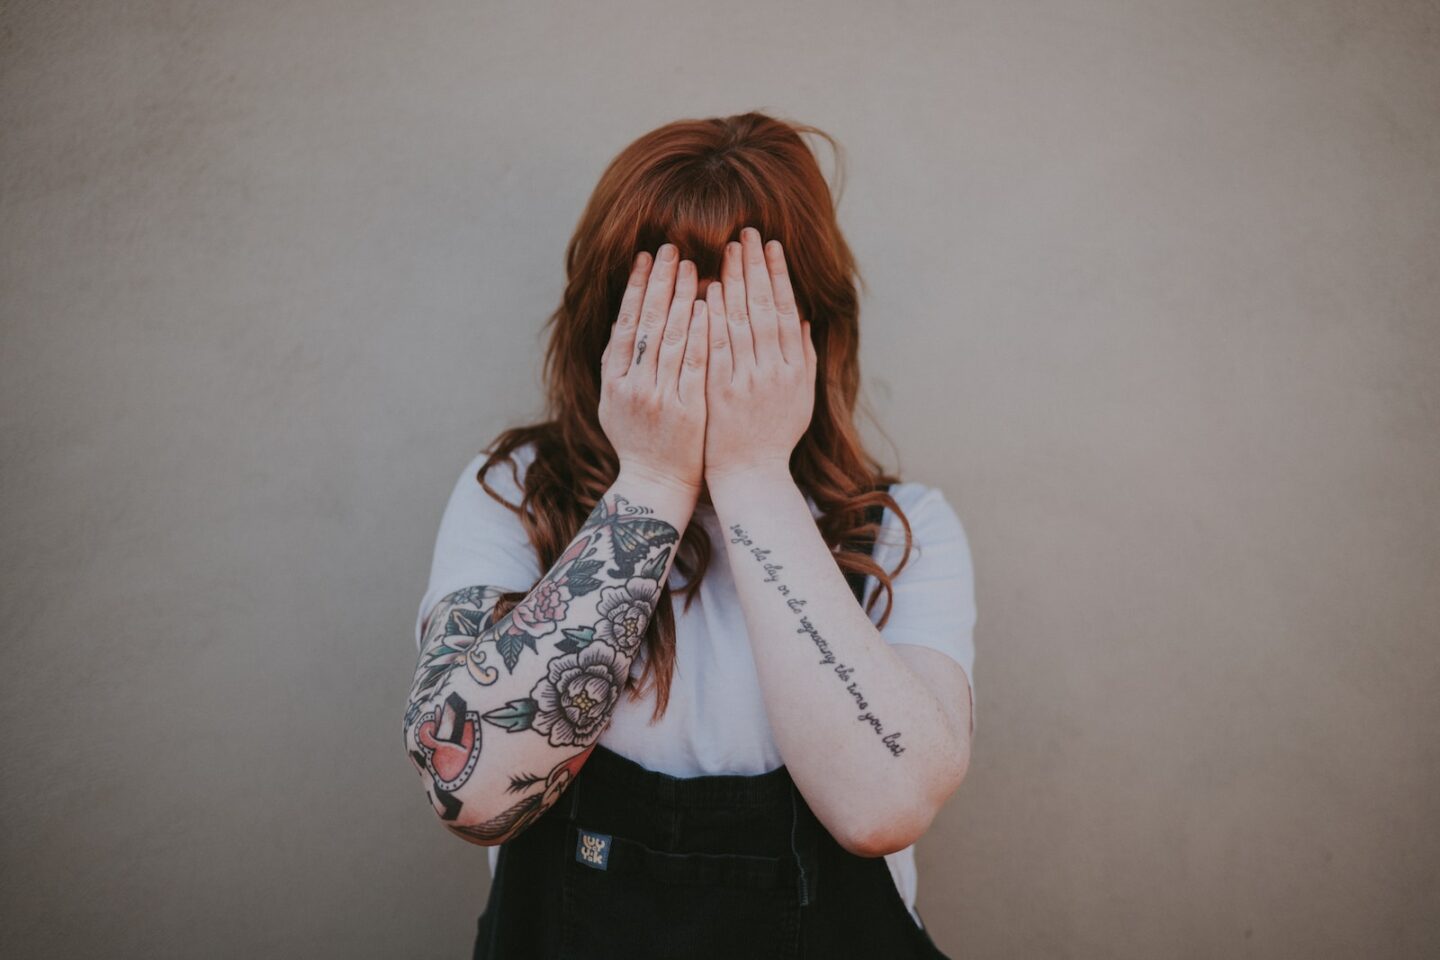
[
  {"x": 809, "y": 342},
  {"x": 622, "y": 331},
  {"x": 787, "y": 314},
  {"x": 697, "y": 352},
  {"x": 653, "y": 312},
  {"x": 719, "y": 366},
  {"x": 677, "y": 327},
  {"x": 737, "y": 317},
  {"x": 761, "y": 300}
]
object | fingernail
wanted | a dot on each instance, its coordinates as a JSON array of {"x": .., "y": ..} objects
[
  {"x": 667, "y": 252},
  {"x": 751, "y": 232},
  {"x": 642, "y": 259}
]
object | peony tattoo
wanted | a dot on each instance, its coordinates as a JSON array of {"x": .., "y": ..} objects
[
  {"x": 573, "y": 701},
  {"x": 538, "y": 613},
  {"x": 627, "y": 612}
]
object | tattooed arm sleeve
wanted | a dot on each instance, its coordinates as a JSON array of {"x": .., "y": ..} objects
[{"x": 503, "y": 713}]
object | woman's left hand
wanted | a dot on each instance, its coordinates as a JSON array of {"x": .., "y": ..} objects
[{"x": 760, "y": 382}]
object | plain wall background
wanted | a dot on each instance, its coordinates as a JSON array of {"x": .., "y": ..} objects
[{"x": 1153, "y": 297}]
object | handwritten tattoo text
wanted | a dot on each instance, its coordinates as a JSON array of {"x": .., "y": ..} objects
[{"x": 807, "y": 627}]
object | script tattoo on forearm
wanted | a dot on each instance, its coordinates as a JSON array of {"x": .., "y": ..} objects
[
  {"x": 891, "y": 740},
  {"x": 622, "y": 553}
]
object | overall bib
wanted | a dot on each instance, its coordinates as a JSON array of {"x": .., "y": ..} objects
[{"x": 633, "y": 864}]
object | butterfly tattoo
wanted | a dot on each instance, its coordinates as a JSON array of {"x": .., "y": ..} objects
[{"x": 631, "y": 533}]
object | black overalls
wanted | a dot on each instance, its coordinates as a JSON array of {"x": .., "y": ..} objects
[{"x": 633, "y": 864}]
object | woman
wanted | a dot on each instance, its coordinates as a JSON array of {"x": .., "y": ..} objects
[{"x": 745, "y": 777}]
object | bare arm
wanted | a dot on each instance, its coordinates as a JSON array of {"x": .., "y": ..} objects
[
  {"x": 503, "y": 713},
  {"x": 873, "y": 748}
]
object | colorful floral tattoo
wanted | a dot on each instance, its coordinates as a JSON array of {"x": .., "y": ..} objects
[{"x": 619, "y": 560}]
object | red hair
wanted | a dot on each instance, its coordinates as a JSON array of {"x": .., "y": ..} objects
[{"x": 695, "y": 183}]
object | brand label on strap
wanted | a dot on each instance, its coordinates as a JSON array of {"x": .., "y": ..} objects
[{"x": 593, "y": 849}]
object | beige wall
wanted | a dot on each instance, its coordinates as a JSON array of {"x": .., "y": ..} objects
[{"x": 1154, "y": 299}]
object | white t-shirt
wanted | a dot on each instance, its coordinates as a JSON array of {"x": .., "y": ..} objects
[{"x": 481, "y": 542}]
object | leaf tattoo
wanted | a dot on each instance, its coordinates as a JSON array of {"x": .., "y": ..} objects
[
  {"x": 515, "y": 715},
  {"x": 520, "y": 782}
]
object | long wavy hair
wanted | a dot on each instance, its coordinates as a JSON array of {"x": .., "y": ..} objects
[{"x": 696, "y": 183}]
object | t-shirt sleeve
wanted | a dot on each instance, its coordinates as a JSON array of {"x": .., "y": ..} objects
[
  {"x": 480, "y": 541},
  {"x": 934, "y": 595}
]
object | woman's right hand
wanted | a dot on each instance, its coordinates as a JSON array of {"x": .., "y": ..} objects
[{"x": 652, "y": 379}]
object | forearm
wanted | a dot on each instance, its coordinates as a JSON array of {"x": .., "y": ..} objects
[
  {"x": 503, "y": 712},
  {"x": 870, "y": 746}
]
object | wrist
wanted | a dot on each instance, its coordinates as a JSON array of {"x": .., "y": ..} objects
[
  {"x": 667, "y": 495},
  {"x": 764, "y": 473}
]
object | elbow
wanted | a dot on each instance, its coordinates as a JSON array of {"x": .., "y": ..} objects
[
  {"x": 889, "y": 832},
  {"x": 488, "y": 828},
  {"x": 488, "y": 825},
  {"x": 886, "y": 834},
  {"x": 474, "y": 833},
  {"x": 491, "y": 825},
  {"x": 470, "y": 821},
  {"x": 459, "y": 797}
]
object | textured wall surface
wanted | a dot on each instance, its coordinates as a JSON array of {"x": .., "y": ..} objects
[{"x": 1153, "y": 296}]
